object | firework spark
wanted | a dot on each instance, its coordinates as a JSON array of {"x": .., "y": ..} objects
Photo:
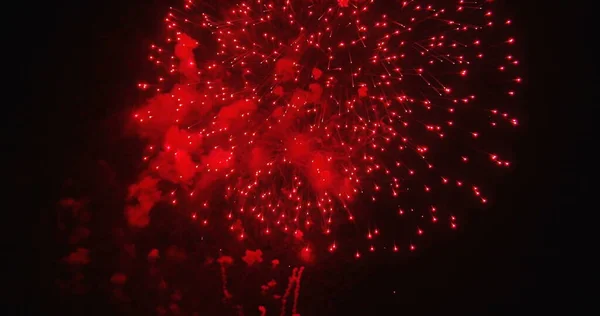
[{"x": 297, "y": 116}]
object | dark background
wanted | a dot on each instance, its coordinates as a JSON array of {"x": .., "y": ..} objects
[{"x": 79, "y": 62}]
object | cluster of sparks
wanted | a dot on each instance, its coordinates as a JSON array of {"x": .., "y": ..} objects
[{"x": 290, "y": 116}]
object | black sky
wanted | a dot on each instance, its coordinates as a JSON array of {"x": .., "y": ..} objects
[{"x": 79, "y": 62}]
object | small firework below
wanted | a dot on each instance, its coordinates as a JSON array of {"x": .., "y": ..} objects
[{"x": 303, "y": 118}]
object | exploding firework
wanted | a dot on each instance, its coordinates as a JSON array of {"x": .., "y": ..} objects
[{"x": 302, "y": 118}]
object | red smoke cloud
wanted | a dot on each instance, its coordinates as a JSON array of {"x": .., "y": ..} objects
[{"x": 145, "y": 194}]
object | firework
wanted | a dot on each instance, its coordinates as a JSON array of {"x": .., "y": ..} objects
[{"x": 302, "y": 118}]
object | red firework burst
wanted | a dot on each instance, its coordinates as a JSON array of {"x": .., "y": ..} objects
[{"x": 291, "y": 116}]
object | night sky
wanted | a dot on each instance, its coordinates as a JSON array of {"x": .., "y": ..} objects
[{"x": 80, "y": 62}]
